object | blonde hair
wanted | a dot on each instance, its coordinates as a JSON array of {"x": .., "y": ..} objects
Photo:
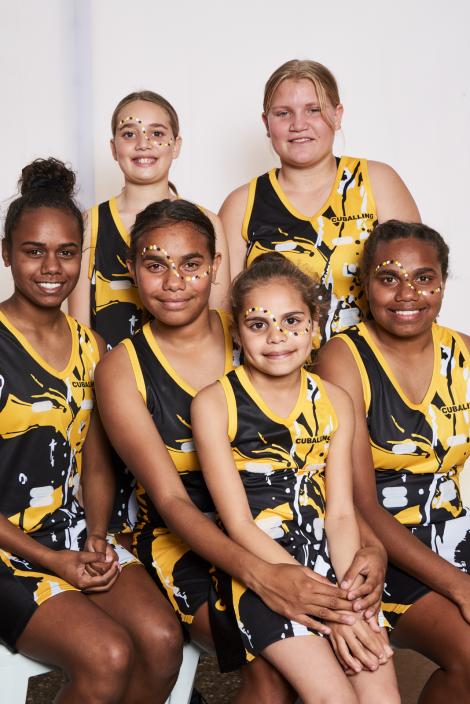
[
  {"x": 321, "y": 77},
  {"x": 150, "y": 97}
]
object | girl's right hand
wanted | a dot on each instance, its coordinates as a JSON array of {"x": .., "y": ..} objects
[
  {"x": 358, "y": 647},
  {"x": 71, "y": 565}
]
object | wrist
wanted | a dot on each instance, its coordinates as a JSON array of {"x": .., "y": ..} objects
[{"x": 256, "y": 573}]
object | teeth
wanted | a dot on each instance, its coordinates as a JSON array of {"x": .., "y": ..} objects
[
  {"x": 406, "y": 313},
  {"x": 145, "y": 161},
  {"x": 49, "y": 286}
]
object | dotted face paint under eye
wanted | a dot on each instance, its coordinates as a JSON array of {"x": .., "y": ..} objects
[
  {"x": 420, "y": 291},
  {"x": 266, "y": 311},
  {"x": 173, "y": 267},
  {"x": 155, "y": 142}
]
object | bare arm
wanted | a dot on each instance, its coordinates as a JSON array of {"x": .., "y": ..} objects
[
  {"x": 220, "y": 289},
  {"x": 392, "y": 197},
  {"x": 231, "y": 214},
  {"x": 337, "y": 364},
  {"x": 79, "y": 299}
]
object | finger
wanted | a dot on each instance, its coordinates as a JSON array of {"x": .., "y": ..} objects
[
  {"x": 334, "y": 616},
  {"x": 353, "y": 572},
  {"x": 111, "y": 553},
  {"x": 348, "y": 660},
  {"x": 87, "y": 556},
  {"x": 313, "y": 624},
  {"x": 104, "y": 587},
  {"x": 88, "y": 582}
]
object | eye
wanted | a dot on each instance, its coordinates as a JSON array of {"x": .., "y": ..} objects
[
  {"x": 191, "y": 265},
  {"x": 281, "y": 113},
  {"x": 256, "y": 325},
  {"x": 424, "y": 279},
  {"x": 34, "y": 252},
  {"x": 388, "y": 279},
  {"x": 291, "y": 320},
  {"x": 128, "y": 134},
  {"x": 155, "y": 267},
  {"x": 157, "y": 134},
  {"x": 67, "y": 253},
  {"x": 314, "y": 110}
]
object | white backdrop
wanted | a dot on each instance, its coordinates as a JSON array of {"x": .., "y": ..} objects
[{"x": 403, "y": 69}]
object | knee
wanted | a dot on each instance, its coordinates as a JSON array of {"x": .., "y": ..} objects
[
  {"x": 267, "y": 686},
  {"x": 108, "y": 666},
  {"x": 162, "y": 641}
]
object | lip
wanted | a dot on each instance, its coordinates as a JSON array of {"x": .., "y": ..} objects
[
  {"x": 144, "y": 161},
  {"x": 300, "y": 140},
  {"x": 173, "y": 303},
  {"x": 50, "y": 286},
  {"x": 278, "y": 356}
]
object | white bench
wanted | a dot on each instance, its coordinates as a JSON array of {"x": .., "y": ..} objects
[{"x": 16, "y": 669}]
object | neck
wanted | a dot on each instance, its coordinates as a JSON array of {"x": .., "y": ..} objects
[
  {"x": 187, "y": 336},
  {"x": 405, "y": 346},
  {"x": 301, "y": 178},
  {"x": 24, "y": 314},
  {"x": 135, "y": 197},
  {"x": 282, "y": 384}
]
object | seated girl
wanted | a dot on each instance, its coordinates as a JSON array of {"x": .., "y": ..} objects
[
  {"x": 68, "y": 597},
  {"x": 274, "y": 443},
  {"x": 409, "y": 381}
]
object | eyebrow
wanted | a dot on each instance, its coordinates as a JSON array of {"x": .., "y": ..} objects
[
  {"x": 306, "y": 105},
  {"x": 259, "y": 314},
  {"x": 134, "y": 123},
  {"x": 162, "y": 257},
  {"x": 30, "y": 243}
]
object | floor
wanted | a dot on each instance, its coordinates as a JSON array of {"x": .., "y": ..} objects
[{"x": 413, "y": 670}]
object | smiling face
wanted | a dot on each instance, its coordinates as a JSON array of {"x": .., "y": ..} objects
[
  {"x": 144, "y": 144},
  {"x": 275, "y": 329},
  {"x": 174, "y": 272},
  {"x": 299, "y": 133},
  {"x": 44, "y": 256},
  {"x": 405, "y": 287}
]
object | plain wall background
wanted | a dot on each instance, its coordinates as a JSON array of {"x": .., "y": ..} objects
[{"x": 402, "y": 69}]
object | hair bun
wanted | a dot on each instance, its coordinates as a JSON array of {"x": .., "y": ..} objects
[{"x": 50, "y": 174}]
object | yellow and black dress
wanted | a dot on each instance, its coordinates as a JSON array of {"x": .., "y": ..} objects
[
  {"x": 281, "y": 462},
  {"x": 327, "y": 244},
  {"x": 183, "y": 576},
  {"x": 419, "y": 450},
  {"x": 44, "y": 418}
]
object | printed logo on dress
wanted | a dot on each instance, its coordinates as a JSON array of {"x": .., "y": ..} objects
[
  {"x": 455, "y": 409},
  {"x": 337, "y": 219},
  {"x": 314, "y": 440},
  {"x": 82, "y": 384}
]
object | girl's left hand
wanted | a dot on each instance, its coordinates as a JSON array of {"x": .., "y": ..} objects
[
  {"x": 371, "y": 564},
  {"x": 358, "y": 647},
  {"x": 96, "y": 543}
]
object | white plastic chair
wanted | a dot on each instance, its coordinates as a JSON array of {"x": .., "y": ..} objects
[{"x": 16, "y": 669}]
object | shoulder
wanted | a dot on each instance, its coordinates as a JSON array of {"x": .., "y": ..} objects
[
  {"x": 392, "y": 197},
  {"x": 236, "y": 201},
  {"x": 335, "y": 352},
  {"x": 209, "y": 399},
  {"x": 114, "y": 363},
  {"x": 215, "y": 220}
]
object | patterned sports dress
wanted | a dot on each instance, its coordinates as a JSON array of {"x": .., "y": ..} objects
[
  {"x": 419, "y": 450},
  {"x": 328, "y": 244},
  {"x": 182, "y": 575},
  {"x": 44, "y": 418},
  {"x": 281, "y": 462}
]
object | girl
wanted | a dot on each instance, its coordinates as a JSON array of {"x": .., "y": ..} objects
[
  {"x": 317, "y": 209},
  {"x": 145, "y": 141},
  {"x": 185, "y": 347},
  {"x": 409, "y": 380},
  {"x": 280, "y": 440},
  {"x": 55, "y": 569}
]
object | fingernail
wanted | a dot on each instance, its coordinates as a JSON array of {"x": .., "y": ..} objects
[{"x": 344, "y": 584}]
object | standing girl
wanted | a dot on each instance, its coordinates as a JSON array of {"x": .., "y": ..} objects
[
  {"x": 317, "y": 209},
  {"x": 120, "y": 642},
  {"x": 277, "y": 462},
  {"x": 145, "y": 141},
  {"x": 409, "y": 379},
  {"x": 185, "y": 347}
]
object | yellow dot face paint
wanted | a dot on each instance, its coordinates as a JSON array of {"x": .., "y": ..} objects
[
  {"x": 286, "y": 328},
  {"x": 152, "y": 140},
  {"x": 173, "y": 267},
  {"x": 420, "y": 289}
]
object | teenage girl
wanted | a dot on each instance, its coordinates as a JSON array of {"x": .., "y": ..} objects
[
  {"x": 64, "y": 598},
  {"x": 145, "y": 141},
  {"x": 274, "y": 443},
  {"x": 316, "y": 209},
  {"x": 185, "y": 347},
  {"x": 409, "y": 379}
]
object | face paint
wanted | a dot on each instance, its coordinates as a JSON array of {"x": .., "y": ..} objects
[
  {"x": 173, "y": 267},
  {"x": 284, "y": 330},
  {"x": 420, "y": 289},
  {"x": 151, "y": 140}
]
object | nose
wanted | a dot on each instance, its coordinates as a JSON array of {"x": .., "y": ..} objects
[
  {"x": 51, "y": 264},
  {"x": 406, "y": 291},
  {"x": 275, "y": 336},
  {"x": 142, "y": 141},
  {"x": 298, "y": 122},
  {"x": 173, "y": 281}
]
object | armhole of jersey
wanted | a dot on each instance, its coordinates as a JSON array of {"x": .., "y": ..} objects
[
  {"x": 136, "y": 368},
  {"x": 361, "y": 368},
  {"x": 371, "y": 204},
  {"x": 94, "y": 217},
  {"x": 231, "y": 407},
  {"x": 95, "y": 341},
  {"x": 463, "y": 347},
  {"x": 249, "y": 207}
]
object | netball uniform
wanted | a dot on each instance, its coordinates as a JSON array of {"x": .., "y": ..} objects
[
  {"x": 419, "y": 450},
  {"x": 182, "y": 575},
  {"x": 281, "y": 462},
  {"x": 328, "y": 244},
  {"x": 44, "y": 418}
]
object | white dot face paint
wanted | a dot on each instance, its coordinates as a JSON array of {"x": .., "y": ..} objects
[
  {"x": 151, "y": 135},
  {"x": 421, "y": 288},
  {"x": 294, "y": 328},
  {"x": 173, "y": 267}
]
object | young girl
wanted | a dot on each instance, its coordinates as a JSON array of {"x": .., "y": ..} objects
[
  {"x": 409, "y": 381},
  {"x": 145, "y": 141},
  {"x": 317, "y": 209},
  {"x": 64, "y": 597},
  {"x": 187, "y": 346},
  {"x": 279, "y": 443}
]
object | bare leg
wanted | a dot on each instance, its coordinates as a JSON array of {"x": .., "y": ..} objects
[
  {"x": 379, "y": 686},
  {"x": 95, "y": 652},
  {"x": 261, "y": 682},
  {"x": 434, "y": 627},
  {"x": 136, "y": 604}
]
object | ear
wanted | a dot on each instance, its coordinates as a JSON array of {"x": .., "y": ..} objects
[
  {"x": 177, "y": 147},
  {"x": 338, "y": 117},
  {"x": 264, "y": 117},
  {"x": 131, "y": 269},
  {"x": 113, "y": 148},
  {"x": 215, "y": 266},
  {"x": 6, "y": 253}
]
